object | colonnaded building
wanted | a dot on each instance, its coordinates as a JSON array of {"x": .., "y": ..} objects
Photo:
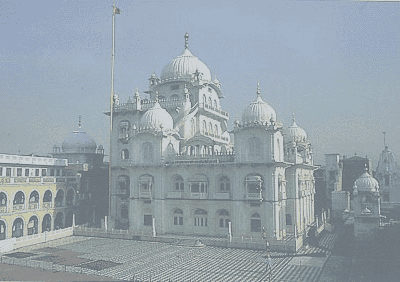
[{"x": 177, "y": 169}]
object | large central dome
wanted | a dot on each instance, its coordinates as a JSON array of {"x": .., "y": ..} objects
[{"x": 185, "y": 65}]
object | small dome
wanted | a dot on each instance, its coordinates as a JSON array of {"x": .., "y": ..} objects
[
  {"x": 157, "y": 118},
  {"x": 258, "y": 111},
  {"x": 184, "y": 66},
  {"x": 295, "y": 133},
  {"x": 366, "y": 183},
  {"x": 79, "y": 142}
]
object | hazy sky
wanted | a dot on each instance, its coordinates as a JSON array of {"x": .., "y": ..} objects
[{"x": 335, "y": 64}]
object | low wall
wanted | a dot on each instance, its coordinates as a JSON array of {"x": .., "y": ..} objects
[
  {"x": 11, "y": 244},
  {"x": 245, "y": 243}
]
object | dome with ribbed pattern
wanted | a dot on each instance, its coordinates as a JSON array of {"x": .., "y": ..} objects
[
  {"x": 184, "y": 66},
  {"x": 157, "y": 118}
]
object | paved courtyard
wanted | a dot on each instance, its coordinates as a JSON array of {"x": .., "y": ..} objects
[{"x": 127, "y": 259}]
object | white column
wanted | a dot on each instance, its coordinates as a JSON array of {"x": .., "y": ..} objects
[{"x": 154, "y": 226}]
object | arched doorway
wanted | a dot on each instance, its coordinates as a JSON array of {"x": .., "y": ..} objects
[
  {"x": 33, "y": 225},
  {"x": 69, "y": 219},
  {"x": 59, "y": 200},
  {"x": 3, "y": 230},
  {"x": 70, "y": 198},
  {"x": 59, "y": 221},
  {"x": 18, "y": 228},
  {"x": 46, "y": 224}
]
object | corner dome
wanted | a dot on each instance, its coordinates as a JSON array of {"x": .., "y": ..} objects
[
  {"x": 295, "y": 133},
  {"x": 258, "y": 111},
  {"x": 157, "y": 118},
  {"x": 366, "y": 183},
  {"x": 79, "y": 142},
  {"x": 184, "y": 66}
]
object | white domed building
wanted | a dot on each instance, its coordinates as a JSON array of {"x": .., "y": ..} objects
[
  {"x": 172, "y": 150},
  {"x": 366, "y": 207}
]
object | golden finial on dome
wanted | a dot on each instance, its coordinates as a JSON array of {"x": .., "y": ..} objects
[
  {"x": 186, "y": 40},
  {"x": 293, "y": 117},
  {"x": 258, "y": 89},
  {"x": 80, "y": 121}
]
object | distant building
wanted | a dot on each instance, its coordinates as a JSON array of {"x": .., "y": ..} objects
[
  {"x": 34, "y": 196},
  {"x": 352, "y": 169},
  {"x": 176, "y": 169},
  {"x": 85, "y": 164},
  {"x": 388, "y": 175},
  {"x": 366, "y": 207}
]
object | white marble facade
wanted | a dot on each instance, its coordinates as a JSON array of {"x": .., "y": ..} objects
[{"x": 175, "y": 163}]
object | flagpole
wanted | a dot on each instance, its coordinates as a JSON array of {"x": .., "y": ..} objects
[{"x": 115, "y": 11}]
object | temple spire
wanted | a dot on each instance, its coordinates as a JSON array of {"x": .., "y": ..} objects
[
  {"x": 384, "y": 139},
  {"x": 186, "y": 40}
]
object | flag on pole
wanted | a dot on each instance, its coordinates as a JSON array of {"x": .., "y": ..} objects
[{"x": 117, "y": 11}]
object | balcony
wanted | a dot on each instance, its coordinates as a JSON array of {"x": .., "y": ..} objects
[
  {"x": 211, "y": 109},
  {"x": 222, "y": 196},
  {"x": 175, "y": 195},
  {"x": 253, "y": 196},
  {"x": 199, "y": 195},
  {"x": 145, "y": 194},
  {"x": 47, "y": 205},
  {"x": 18, "y": 207},
  {"x": 33, "y": 206}
]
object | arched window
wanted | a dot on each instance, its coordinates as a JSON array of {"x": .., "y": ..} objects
[
  {"x": 178, "y": 183},
  {"x": 254, "y": 148},
  {"x": 33, "y": 225},
  {"x": 18, "y": 228},
  {"x": 178, "y": 217},
  {"x": 59, "y": 221},
  {"x": 70, "y": 197},
  {"x": 125, "y": 154},
  {"x": 124, "y": 128},
  {"x": 224, "y": 184},
  {"x": 3, "y": 199},
  {"x": 170, "y": 150},
  {"x": 210, "y": 101},
  {"x": 224, "y": 218},
  {"x": 123, "y": 185},
  {"x": 59, "y": 200},
  {"x": 255, "y": 222},
  {"x": 34, "y": 197},
  {"x": 19, "y": 198},
  {"x": 3, "y": 230},
  {"x": 210, "y": 130},
  {"x": 215, "y": 104},
  {"x": 198, "y": 184},
  {"x": 47, "y": 196},
  {"x": 146, "y": 183},
  {"x": 200, "y": 218},
  {"x": 46, "y": 223},
  {"x": 254, "y": 184},
  {"x": 124, "y": 212},
  {"x": 216, "y": 130},
  {"x": 204, "y": 100},
  {"x": 147, "y": 149},
  {"x": 204, "y": 126}
]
